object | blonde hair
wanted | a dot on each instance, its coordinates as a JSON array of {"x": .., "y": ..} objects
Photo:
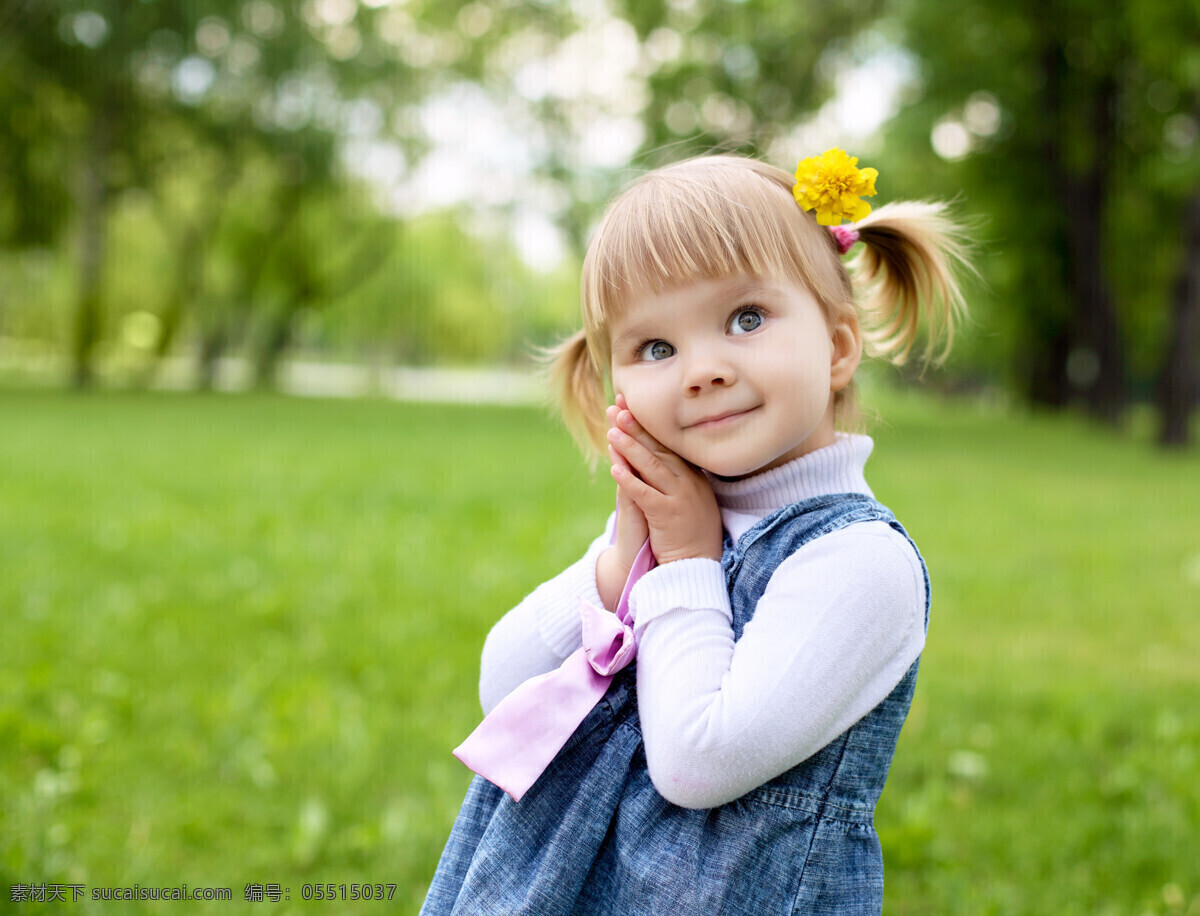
[{"x": 718, "y": 216}]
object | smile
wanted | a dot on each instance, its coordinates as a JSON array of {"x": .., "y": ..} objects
[{"x": 722, "y": 419}]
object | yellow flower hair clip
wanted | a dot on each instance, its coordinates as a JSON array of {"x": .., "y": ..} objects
[{"x": 834, "y": 186}]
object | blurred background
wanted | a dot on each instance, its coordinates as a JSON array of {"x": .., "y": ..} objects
[
  {"x": 240, "y": 631},
  {"x": 197, "y": 193}
]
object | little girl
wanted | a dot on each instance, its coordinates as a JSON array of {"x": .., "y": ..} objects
[{"x": 777, "y": 611}]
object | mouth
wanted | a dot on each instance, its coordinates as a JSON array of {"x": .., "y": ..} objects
[{"x": 720, "y": 419}]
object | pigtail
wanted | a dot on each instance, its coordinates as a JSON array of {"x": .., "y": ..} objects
[
  {"x": 575, "y": 385},
  {"x": 906, "y": 273}
]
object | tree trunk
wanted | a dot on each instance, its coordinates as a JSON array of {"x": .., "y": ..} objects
[
  {"x": 1179, "y": 381},
  {"x": 1095, "y": 367},
  {"x": 1086, "y": 357},
  {"x": 92, "y": 202},
  {"x": 190, "y": 254},
  {"x": 213, "y": 343},
  {"x": 1095, "y": 325},
  {"x": 275, "y": 341},
  {"x": 370, "y": 252},
  {"x": 226, "y": 328},
  {"x": 1050, "y": 342},
  {"x": 1046, "y": 371},
  {"x": 189, "y": 266}
]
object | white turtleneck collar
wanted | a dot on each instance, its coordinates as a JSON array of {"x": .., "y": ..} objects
[{"x": 837, "y": 468}]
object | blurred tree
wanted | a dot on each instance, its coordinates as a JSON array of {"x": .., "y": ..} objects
[
  {"x": 72, "y": 104},
  {"x": 1053, "y": 115},
  {"x": 1024, "y": 94},
  {"x": 195, "y": 169},
  {"x": 1167, "y": 84},
  {"x": 739, "y": 75},
  {"x": 331, "y": 247},
  {"x": 249, "y": 121},
  {"x": 176, "y": 97},
  {"x": 735, "y": 76},
  {"x": 1179, "y": 380}
]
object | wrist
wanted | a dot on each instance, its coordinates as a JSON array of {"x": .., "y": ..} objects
[
  {"x": 610, "y": 578},
  {"x": 683, "y": 557},
  {"x": 691, "y": 552}
]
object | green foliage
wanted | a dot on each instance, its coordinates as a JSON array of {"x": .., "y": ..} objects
[
  {"x": 180, "y": 100},
  {"x": 429, "y": 292},
  {"x": 738, "y": 75},
  {"x": 242, "y": 635},
  {"x": 196, "y": 163},
  {"x": 442, "y": 296},
  {"x": 1053, "y": 75}
]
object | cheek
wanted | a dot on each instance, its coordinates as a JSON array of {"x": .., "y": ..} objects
[
  {"x": 641, "y": 405},
  {"x": 805, "y": 385},
  {"x": 647, "y": 405}
]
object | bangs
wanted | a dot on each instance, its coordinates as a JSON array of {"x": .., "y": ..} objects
[{"x": 705, "y": 219}]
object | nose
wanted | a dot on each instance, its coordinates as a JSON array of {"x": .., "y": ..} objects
[{"x": 708, "y": 368}]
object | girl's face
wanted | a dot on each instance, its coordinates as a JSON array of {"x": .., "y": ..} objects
[{"x": 735, "y": 375}]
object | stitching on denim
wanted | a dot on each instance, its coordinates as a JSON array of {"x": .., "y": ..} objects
[
  {"x": 799, "y": 801},
  {"x": 820, "y": 815}
]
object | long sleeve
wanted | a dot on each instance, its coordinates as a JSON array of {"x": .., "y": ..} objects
[
  {"x": 836, "y": 629},
  {"x": 536, "y": 635}
]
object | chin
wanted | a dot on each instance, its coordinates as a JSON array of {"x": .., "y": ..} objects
[{"x": 729, "y": 470}]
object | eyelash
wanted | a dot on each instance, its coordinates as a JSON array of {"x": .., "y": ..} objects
[
  {"x": 747, "y": 308},
  {"x": 646, "y": 341}
]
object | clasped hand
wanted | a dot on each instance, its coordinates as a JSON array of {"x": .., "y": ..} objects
[{"x": 659, "y": 495}]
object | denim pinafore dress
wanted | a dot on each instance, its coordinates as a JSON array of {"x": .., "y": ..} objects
[{"x": 593, "y": 836}]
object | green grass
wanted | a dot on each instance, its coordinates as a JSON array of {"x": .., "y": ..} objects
[{"x": 241, "y": 635}]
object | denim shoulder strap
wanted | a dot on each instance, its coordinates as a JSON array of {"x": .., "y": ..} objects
[{"x": 749, "y": 563}]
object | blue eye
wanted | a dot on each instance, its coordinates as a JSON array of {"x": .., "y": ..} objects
[
  {"x": 745, "y": 320},
  {"x": 654, "y": 350}
]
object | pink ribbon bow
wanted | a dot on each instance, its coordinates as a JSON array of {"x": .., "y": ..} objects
[{"x": 516, "y": 741}]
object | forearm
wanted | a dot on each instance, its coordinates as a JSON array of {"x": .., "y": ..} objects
[
  {"x": 685, "y": 651},
  {"x": 536, "y": 635},
  {"x": 610, "y": 578}
]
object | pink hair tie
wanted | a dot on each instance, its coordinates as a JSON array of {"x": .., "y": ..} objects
[{"x": 844, "y": 236}]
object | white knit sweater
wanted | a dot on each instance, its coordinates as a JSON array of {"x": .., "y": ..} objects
[{"x": 839, "y": 624}]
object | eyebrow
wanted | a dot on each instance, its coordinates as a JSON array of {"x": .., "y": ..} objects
[{"x": 633, "y": 335}]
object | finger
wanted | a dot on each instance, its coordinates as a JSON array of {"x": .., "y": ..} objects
[
  {"x": 625, "y": 420},
  {"x": 620, "y": 463},
  {"x": 627, "y": 423},
  {"x": 635, "y": 488},
  {"x": 647, "y": 464},
  {"x": 621, "y": 416},
  {"x": 630, "y": 481}
]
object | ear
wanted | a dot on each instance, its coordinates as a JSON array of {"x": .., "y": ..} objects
[{"x": 847, "y": 352}]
